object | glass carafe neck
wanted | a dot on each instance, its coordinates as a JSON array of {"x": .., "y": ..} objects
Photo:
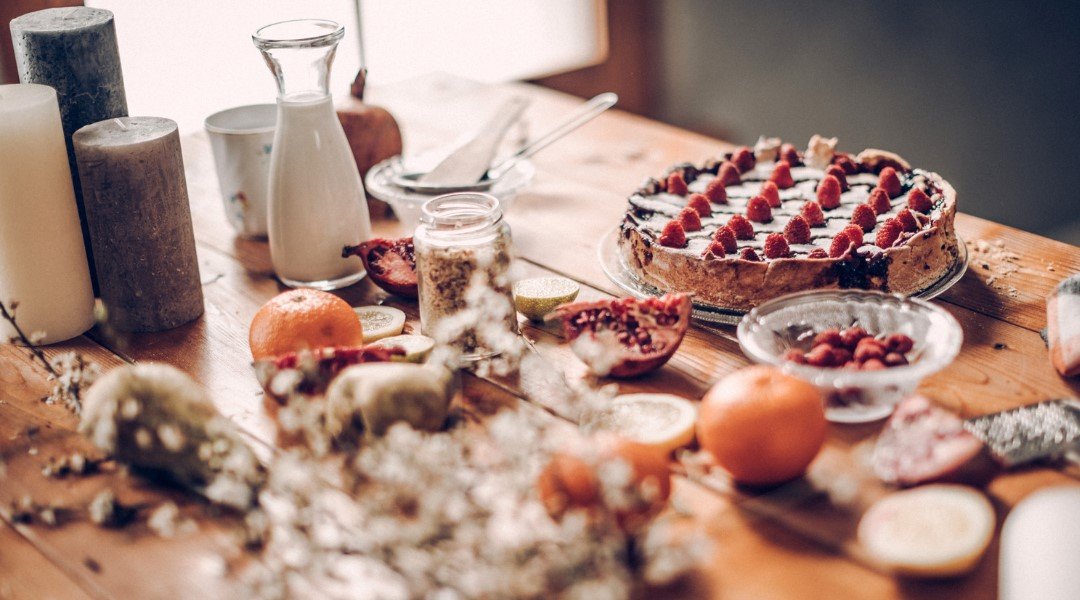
[{"x": 300, "y": 54}]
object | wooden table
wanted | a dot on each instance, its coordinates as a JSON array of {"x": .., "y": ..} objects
[{"x": 789, "y": 543}]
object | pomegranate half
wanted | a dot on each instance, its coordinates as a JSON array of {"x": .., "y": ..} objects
[
  {"x": 626, "y": 337},
  {"x": 316, "y": 369},
  {"x": 391, "y": 263}
]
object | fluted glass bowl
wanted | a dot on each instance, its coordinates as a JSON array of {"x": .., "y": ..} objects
[{"x": 767, "y": 331}]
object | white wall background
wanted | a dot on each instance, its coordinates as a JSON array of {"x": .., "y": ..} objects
[{"x": 185, "y": 59}]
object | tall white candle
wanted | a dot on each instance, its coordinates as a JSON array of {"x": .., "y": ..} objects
[{"x": 43, "y": 262}]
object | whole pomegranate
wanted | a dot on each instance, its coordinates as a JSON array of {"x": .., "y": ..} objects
[
  {"x": 762, "y": 426},
  {"x": 626, "y": 337},
  {"x": 372, "y": 131},
  {"x": 391, "y": 263}
]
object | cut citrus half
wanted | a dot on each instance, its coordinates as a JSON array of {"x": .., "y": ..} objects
[
  {"x": 661, "y": 421},
  {"x": 380, "y": 321},
  {"x": 930, "y": 531},
  {"x": 417, "y": 347},
  {"x": 538, "y": 296}
]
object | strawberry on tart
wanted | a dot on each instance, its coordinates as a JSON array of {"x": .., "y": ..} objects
[{"x": 771, "y": 220}]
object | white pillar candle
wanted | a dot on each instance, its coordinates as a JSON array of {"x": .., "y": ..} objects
[{"x": 43, "y": 262}]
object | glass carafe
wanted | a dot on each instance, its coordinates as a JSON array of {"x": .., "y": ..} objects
[{"x": 316, "y": 203}]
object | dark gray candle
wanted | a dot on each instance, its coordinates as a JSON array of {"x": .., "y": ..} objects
[
  {"x": 73, "y": 50},
  {"x": 132, "y": 177}
]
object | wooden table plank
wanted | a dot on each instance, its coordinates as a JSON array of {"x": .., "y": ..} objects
[{"x": 25, "y": 573}]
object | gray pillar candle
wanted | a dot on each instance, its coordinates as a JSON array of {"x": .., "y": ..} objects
[
  {"x": 73, "y": 50},
  {"x": 137, "y": 210}
]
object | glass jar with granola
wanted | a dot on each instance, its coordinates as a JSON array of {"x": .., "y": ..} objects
[{"x": 462, "y": 261}]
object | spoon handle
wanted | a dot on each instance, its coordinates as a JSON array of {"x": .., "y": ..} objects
[{"x": 586, "y": 113}]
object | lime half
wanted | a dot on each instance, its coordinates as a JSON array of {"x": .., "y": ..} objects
[
  {"x": 538, "y": 296},
  {"x": 380, "y": 321},
  {"x": 416, "y": 347}
]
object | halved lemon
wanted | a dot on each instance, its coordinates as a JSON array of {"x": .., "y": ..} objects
[
  {"x": 417, "y": 347},
  {"x": 380, "y": 321},
  {"x": 662, "y": 421},
  {"x": 538, "y": 296},
  {"x": 930, "y": 531}
]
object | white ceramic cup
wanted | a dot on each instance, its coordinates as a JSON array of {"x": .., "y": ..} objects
[{"x": 241, "y": 139}]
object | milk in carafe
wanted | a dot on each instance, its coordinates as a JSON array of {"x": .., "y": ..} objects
[{"x": 316, "y": 203}]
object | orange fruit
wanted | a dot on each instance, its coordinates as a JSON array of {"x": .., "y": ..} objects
[
  {"x": 652, "y": 478},
  {"x": 763, "y": 426},
  {"x": 570, "y": 481},
  {"x": 303, "y": 320}
]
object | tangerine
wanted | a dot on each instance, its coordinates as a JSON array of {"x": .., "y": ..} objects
[
  {"x": 571, "y": 480},
  {"x": 303, "y": 319},
  {"x": 762, "y": 426}
]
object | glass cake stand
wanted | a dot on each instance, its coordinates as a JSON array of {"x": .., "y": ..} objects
[{"x": 615, "y": 267}]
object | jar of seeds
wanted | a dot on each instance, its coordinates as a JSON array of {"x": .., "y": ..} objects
[{"x": 462, "y": 261}]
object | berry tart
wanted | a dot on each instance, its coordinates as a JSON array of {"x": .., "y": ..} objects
[{"x": 770, "y": 220}]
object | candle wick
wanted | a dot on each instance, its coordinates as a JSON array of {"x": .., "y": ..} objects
[{"x": 120, "y": 123}]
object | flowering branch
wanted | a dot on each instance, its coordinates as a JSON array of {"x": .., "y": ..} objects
[
  {"x": 70, "y": 372},
  {"x": 9, "y": 316}
]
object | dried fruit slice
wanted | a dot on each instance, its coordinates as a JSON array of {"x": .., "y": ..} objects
[
  {"x": 661, "y": 421},
  {"x": 380, "y": 321},
  {"x": 390, "y": 262},
  {"x": 415, "y": 347},
  {"x": 538, "y": 296},
  {"x": 930, "y": 531},
  {"x": 626, "y": 337}
]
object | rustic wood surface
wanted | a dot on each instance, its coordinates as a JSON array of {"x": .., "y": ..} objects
[{"x": 795, "y": 541}]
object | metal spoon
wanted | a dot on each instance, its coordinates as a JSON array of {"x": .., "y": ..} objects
[{"x": 586, "y": 113}]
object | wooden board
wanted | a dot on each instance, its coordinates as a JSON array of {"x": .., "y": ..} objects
[{"x": 788, "y": 543}]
